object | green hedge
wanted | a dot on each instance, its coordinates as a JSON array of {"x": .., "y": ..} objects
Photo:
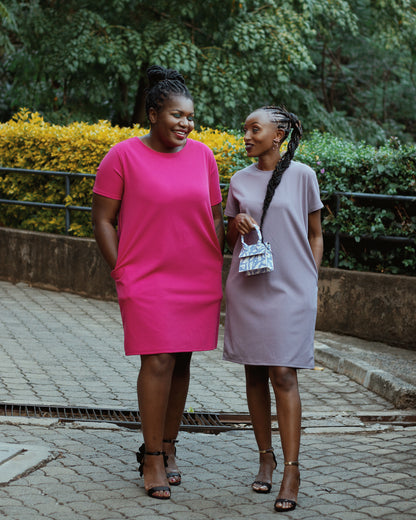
[
  {"x": 29, "y": 142},
  {"x": 355, "y": 167}
]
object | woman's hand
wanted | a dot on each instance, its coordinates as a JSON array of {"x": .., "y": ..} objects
[
  {"x": 244, "y": 223},
  {"x": 241, "y": 224}
]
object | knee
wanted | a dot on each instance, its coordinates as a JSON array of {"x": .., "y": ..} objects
[
  {"x": 157, "y": 365},
  {"x": 284, "y": 379}
]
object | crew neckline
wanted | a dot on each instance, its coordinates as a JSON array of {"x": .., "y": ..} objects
[
  {"x": 262, "y": 171},
  {"x": 164, "y": 154}
]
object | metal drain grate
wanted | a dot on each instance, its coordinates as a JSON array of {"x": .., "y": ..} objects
[
  {"x": 199, "y": 422},
  {"x": 191, "y": 422},
  {"x": 399, "y": 418}
]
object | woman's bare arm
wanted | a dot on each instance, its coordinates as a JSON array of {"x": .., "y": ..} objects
[
  {"x": 315, "y": 238},
  {"x": 219, "y": 224},
  {"x": 104, "y": 217}
]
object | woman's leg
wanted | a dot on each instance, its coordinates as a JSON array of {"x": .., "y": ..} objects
[
  {"x": 289, "y": 412},
  {"x": 176, "y": 404},
  {"x": 258, "y": 400},
  {"x": 153, "y": 389}
]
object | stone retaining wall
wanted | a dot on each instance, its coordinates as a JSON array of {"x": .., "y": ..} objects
[{"x": 371, "y": 306}]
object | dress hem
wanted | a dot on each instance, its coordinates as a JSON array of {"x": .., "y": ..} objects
[
  {"x": 287, "y": 365},
  {"x": 170, "y": 351}
]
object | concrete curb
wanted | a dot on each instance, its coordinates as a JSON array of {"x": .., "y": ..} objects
[{"x": 400, "y": 393}]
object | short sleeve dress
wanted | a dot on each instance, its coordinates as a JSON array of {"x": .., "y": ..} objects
[
  {"x": 270, "y": 317},
  {"x": 168, "y": 270}
]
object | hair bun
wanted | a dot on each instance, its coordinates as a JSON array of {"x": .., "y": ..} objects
[{"x": 156, "y": 74}]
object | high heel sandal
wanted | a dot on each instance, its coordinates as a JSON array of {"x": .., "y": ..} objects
[
  {"x": 140, "y": 455},
  {"x": 260, "y": 483},
  {"x": 292, "y": 503},
  {"x": 173, "y": 474}
]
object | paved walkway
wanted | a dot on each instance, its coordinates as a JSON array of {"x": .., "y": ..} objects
[{"x": 62, "y": 349}]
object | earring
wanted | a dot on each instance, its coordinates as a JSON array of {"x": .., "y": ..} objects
[{"x": 276, "y": 143}]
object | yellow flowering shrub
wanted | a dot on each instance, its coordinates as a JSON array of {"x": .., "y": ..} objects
[{"x": 29, "y": 142}]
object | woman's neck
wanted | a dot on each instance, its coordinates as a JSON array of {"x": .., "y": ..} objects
[
  {"x": 268, "y": 162},
  {"x": 155, "y": 144}
]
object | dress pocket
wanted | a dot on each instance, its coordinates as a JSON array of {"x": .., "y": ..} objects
[{"x": 117, "y": 273}]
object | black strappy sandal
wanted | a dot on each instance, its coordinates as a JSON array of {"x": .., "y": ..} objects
[
  {"x": 267, "y": 485},
  {"x": 292, "y": 503},
  {"x": 140, "y": 455},
  {"x": 173, "y": 474}
]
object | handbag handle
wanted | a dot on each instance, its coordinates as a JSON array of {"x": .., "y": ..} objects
[{"x": 259, "y": 236}]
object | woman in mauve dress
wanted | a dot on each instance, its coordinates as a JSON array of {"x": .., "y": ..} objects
[
  {"x": 158, "y": 222},
  {"x": 270, "y": 318}
]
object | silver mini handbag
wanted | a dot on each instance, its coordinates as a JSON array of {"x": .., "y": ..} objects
[{"x": 255, "y": 258}]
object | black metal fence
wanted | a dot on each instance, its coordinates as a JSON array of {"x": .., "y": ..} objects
[
  {"x": 376, "y": 199},
  {"x": 67, "y": 178},
  {"x": 338, "y": 195}
]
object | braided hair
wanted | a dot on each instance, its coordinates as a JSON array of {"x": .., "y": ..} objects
[
  {"x": 285, "y": 121},
  {"x": 163, "y": 83}
]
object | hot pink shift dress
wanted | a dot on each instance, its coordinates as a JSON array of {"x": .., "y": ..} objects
[{"x": 168, "y": 270}]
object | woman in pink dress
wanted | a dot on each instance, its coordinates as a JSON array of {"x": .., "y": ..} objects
[
  {"x": 270, "y": 318},
  {"x": 158, "y": 222}
]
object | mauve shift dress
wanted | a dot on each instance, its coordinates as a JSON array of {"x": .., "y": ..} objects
[
  {"x": 270, "y": 318},
  {"x": 168, "y": 270}
]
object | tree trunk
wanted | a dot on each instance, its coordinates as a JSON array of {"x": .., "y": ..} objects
[
  {"x": 121, "y": 117},
  {"x": 139, "y": 112}
]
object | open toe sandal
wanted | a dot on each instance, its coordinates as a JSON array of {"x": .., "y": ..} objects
[
  {"x": 173, "y": 474},
  {"x": 140, "y": 455},
  {"x": 257, "y": 485},
  {"x": 292, "y": 503}
]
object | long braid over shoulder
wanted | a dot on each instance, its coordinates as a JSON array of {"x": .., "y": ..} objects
[
  {"x": 163, "y": 83},
  {"x": 286, "y": 121}
]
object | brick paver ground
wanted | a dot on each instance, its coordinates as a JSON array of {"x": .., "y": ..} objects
[
  {"x": 63, "y": 349},
  {"x": 93, "y": 475}
]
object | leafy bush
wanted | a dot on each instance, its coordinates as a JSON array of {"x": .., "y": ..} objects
[
  {"x": 27, "y": 141},
  {"x": 350, "y": 167}
]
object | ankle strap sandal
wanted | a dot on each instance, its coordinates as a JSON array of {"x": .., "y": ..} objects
[
  {"x": 171, "y": 441},
  {"x": 258, "y": 485},
  {"x": 140, "y": 455},
  {"x": 174, "y": 477},
  {"x": 269, "y": 450},
  {"x": 291, "y": 504}
]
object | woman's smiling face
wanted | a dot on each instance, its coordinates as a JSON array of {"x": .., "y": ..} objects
[
  {"x": 172, "y": 124},
  {"x": 259, "y": 132}
]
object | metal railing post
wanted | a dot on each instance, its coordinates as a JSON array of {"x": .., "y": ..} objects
[
  {"x": 67, "y": 210},
  {"x": 336, "y": 245}
]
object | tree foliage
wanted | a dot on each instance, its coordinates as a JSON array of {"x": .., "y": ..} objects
[
  {"x": 345, "y": 66},
  {"x": 366, "y": 75}
]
